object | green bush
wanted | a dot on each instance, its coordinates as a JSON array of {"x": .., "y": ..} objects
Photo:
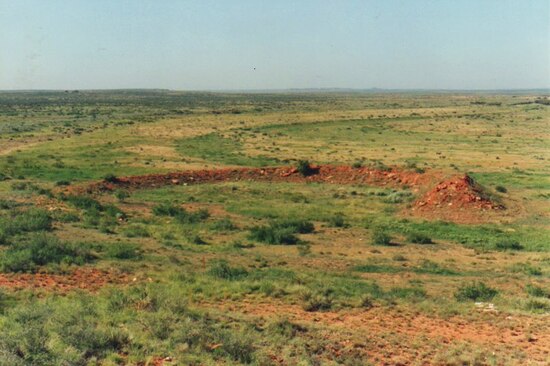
[
  {"x": 318, "y": 301},
  {"x": 122, "y": 251},
  {"x": 31, "y": 220},
  {"x": 477, "y": 291},
  {"x": 84, "y": 203},
  {"x": 180, "y": 214},
  {"x": 419, "y": 238},
  {"x": 111, "y": 178},
  {"x": 337, "y": 220},
  {"x": 501, "y": 189},
  {"x": 508, "y": 244},
  {"x": 381, "y": 237},
  {"x": 222, "y": 269},
  {"x": 281, "y": 232},
  {"x": 41, "y": 250},
  {"x": 224, "y": 224},
  {"x": 537, "y": 291},
  {"x": 304, "y": 168},
  {"x": 136, "y": 231}
]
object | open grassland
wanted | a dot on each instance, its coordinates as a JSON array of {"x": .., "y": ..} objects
[{"x": 271, "y": 272}]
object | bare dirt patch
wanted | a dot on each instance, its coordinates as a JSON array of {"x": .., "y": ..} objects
[
  {"x": 377, "y": 327},
  {"x": 90, "y": 279}
]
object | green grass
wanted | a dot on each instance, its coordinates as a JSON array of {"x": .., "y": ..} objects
[{"x": 215, "y": 148}]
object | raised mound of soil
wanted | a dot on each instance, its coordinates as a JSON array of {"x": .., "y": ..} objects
[
  {"x": 322, "y": 174},
  {"x": 457, "y": 192},
  {"x": 457, "y": 199}
]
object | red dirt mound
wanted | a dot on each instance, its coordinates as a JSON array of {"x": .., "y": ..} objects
[
  {"x": 323, "y": 174},
  {"x": 458, "y": 199},
  {"x": 457, "y": 192},
  {"x": 90, "y": 279}
]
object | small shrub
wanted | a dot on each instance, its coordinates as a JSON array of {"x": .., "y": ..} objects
[
  {"x": 537, "y": 291},
  {"x": 381, "y": 237},
  {"x": 508, "y": 244},
  {"x": 501, "y": 189},
  {"x": 318, "y": 301},
  {"x": 222, "y": 269},
  {"x": 136, "y": 231},
  {"x": 166, "y": 209},
  {"x": 31, "y": 220},
  {"x": 61, "y": 183},
  {"x": 122, "y": 251},
  {"x": 41, "y": 250},
  {"x": 419, "y": 238},
  {"x": 224, "y": 224},
  {"x": 357, "y": 165},
  {"x": 196, "y": 239},
  {"x": 281, "y": 232},
  {"x": 121, "y": 194},
  {"x": 111, "y": 178},
  {"x": 398, "y": 197},
  {"x": 537, "y": 305},
  {"x": 337, "y": 220},
  {"x": 304, "y": 168},
  {"x": 477, "y": 291},
  {"x": 273, "y": 235},
  {"x": 84, "y": 203}
]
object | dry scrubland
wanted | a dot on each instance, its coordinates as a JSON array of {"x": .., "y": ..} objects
[{"x": 288, "y": 267}]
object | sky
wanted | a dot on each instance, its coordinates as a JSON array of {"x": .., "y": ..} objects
[{"x": 267, "y": 44}]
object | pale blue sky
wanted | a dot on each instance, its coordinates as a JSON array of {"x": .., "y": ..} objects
[{"x": 261, "y": 44}]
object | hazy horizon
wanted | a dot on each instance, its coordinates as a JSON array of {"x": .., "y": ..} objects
[{"x": 254, "y": 45}]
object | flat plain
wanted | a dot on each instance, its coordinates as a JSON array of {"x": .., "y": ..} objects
[{"x": 151, "y": 227}]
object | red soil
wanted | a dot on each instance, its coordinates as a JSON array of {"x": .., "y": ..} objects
[
  {"x": 459, "y": 191},
  {"x": 322, "y": 174},
  {"x": 90, "y": 279},
  {"x": 458, "y": 199}
]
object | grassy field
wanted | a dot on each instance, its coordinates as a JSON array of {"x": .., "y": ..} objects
[{"x": 270, "y": 273}]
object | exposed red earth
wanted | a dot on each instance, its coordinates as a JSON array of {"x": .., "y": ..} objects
[
  {"x": 457, "y": 198},
  {"x": 90, "y": 279}
]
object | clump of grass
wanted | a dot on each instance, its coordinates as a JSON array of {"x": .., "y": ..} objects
[
  {"x": 427, "y": 266},
  {"x": 122, "y": 251},
  {"x": 222, "y": 269},
  {"x": 41, "y": 250},
  {"x": 381, "y": 237},
  {"x": 338, "y": 220},
  {"x": 527, "y": 268},
  {"x": 477, "y": 291},
  {"x": 419, "y": 238},
  {"x": 281, "y": 232},
  {"x": 398, "y": 197},
  {"x": 34, "y": 219},
  {"x": 181, "y": 214},
  {"x": 501, "y": 189},
  {"x": 136, "y": 231},
  {"x": 537, "y": 291},
  {"x": 84, "y": 203},
  {"x": 196, "y": 239},
  {"x": 318, "y": 301},
  {"x": 537, "y": 305},
  {"x": 224, "y": 224},
  {"x": 508, "y": 244}
]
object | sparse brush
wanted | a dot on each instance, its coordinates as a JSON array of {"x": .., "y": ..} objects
[
  {"x": 419, "y": 238},
  {"x": 222, "y": 269},
  {"x": 477, "y": 291},
  {"x": 381, "y": 237}
]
